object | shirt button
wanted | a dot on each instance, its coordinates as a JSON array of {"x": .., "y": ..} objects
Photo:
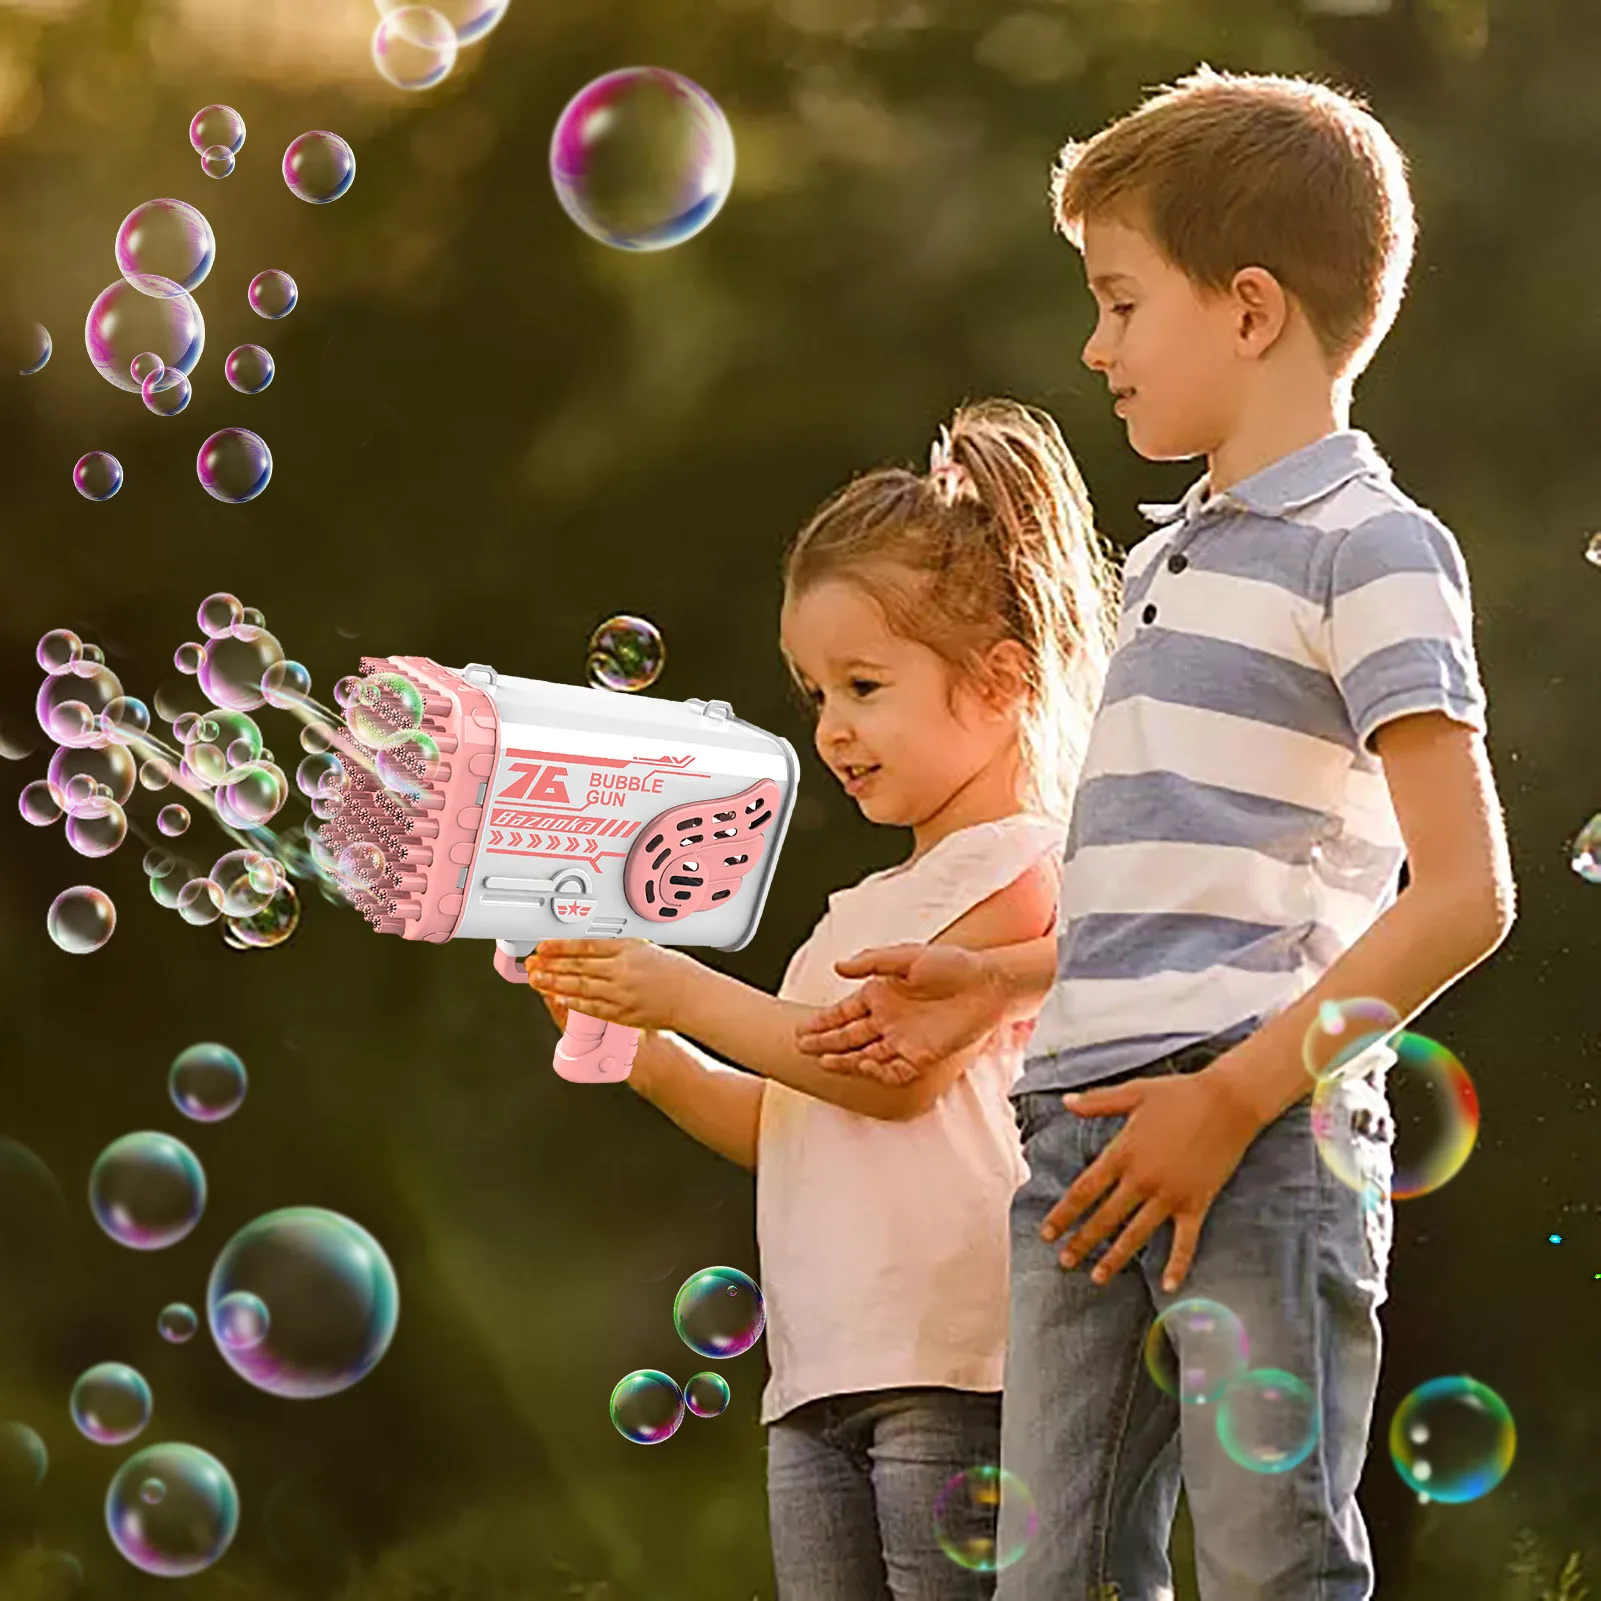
[
  {"x": 1149, "y": 614},
  {"x": 1177, "y": 564}
]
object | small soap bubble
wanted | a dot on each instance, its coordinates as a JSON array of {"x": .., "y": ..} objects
[
  {"x": 33, "y": 349},
  {"x": 247, "y": 879},
  {"x": 188, "y": 656},
  {"x": 77, "y": 792},
  {"x": 361, "y": 864},
  {"x": 249, "y": 369},
  {"x": 625, "y": 653},
  {"x": 331, "y": 1293},
  {"x": 111, "y": 1404},
  {"x": 107, "y": 769},
  {"x": 97, "y": 475},
  {"x": 252, "y": 795},
  {"x": 234, "y": 465},
  {"x": 1586, "y": 859},
  {"x": 186, "y": 727},
  {"x": 272, "y": 294},
  {"x": 647, "y": 1407},
  {"x": 642, "y": 159},
  {"x": 156, "y": 774},
  {"x": 985, "y": 1519},
  {"x": 241, "y": 1321},
  {"x": 143, "y": 365},
  {"x": 58, "y": 650},
  {"x": 147, "y": 1191},
  {"x": 173, "y": 819},
  {"x": 204, "y": 764},
  {"x": 177, "y": 1323},
  {"x": 719, "y": 1312},
  {"x": 346, "y": 690},
  {"x": 165, "y": 393},
  {"x": 406, "y": 765},
  {"x": 185, "y": 1528},
  {"x": 218, "y": 613},
  {"x": 217, "y": 125},
  {"x": 124, "y": 323},
  {"x": 217, "y": 161},
  {"x": 319, "y": 167},
  {"x": 383, "y": 708},
  {"x": 239, "y": 752},
  {"x": 1267, "y": 1421},
  {"x": 414, "y": 47},
  {"x": 163, "y": 244},
  {"x": 1196, "y": 1349},
  {"x": 24, "y": 1460},
  {"x": 152, "y": 1492},
  {"x": 207, "y": 1082},
  {"x": 199, "y": 902},
  {"x": 321, "y": 773},
  {"x": 124, "y": 719},
  {"x": 81, "y": 919},
  {"x": 1453, "y": 1439},
  {"x": 40, "y": 804},
  {"x": 272, "y": 925},
  {"x": 706, "y": 1395},
  {"x": 1347, "y": 1037},
  {"x": 98, "y": 828}
]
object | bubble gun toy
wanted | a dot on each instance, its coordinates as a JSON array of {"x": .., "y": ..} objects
[{"x": 516, "y": 810}]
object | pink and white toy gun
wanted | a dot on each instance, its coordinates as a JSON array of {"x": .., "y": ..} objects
[{"x": 559, "y": 812}]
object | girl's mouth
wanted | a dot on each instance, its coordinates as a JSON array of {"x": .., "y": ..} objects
[{"x": 856, "y": 778}]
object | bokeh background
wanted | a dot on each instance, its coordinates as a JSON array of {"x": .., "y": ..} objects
[{"x": 490, "y": 433}]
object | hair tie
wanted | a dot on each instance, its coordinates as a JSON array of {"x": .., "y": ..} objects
[{"x": 951, "y": 481}]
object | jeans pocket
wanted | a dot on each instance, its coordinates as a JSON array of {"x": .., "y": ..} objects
[{"x": 1033, "y": 1110}]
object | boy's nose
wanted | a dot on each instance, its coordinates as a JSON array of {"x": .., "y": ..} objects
[{"x": 1092, "y": 356}]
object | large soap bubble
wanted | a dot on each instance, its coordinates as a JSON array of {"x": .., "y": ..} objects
[
  {"x": 165, "y": 247},
  {"x": 217, "y": 125},
  {"x": 414, "y": 47},
  {"x": 147, "y": 1191},
  {"x": 329, "y": 1292},
  {"x": 647, "y": 1407},
  {"x": 234, "y": 465},
  {"x": 81, "y": 919},
  {"x": 172, "y": 1510},
  {"x": 719, "y": 1312},
  {"x": 1453, "y": 1439},
  {"x": 319, "y": 167},
  {"x": 123, "y": 324},
  {"x": 70, "y": 702},
  {"x": 642, "y": 158}
]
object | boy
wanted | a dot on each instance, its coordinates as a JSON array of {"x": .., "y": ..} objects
[{"x": 1292, "y": 709}]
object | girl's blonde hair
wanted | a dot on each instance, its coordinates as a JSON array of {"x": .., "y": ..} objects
[{"x": 996, "y": 541}]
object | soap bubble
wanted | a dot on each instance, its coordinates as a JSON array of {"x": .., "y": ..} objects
[
  {"x": 471, "y": 19},
  {"x": 407, "y": 764},
  {"x": 1196, "y": 1349},
  {"x": 24, "y": 1460},
  {"x": 1267, "y": 1421},
  {"x": 1586, "y": 859},
  {"x": 200, "y": 902},
  {"x": 1592, "y": 550},
  {"x": 177, "y": 1323},
  {"x": 234, "y": 466},
  {"x": 124, "y": 719},
  {"x": 34, "y": 348},
  {"x": 217, "y": 125},
  {"x": 111, "y": 1404},
  {"x": 414, "y": 47},
  {"x": 706, "y": 1395},
  {"x": 272, "y": 925},
  {"x": 1347, "y": 1038},
  {"x": 81, "y": 919},
  {"x": 647, "y": 1407},
  {"x": 252, "y": 795},
  {"x": 234, "y": 664},
  {"x": 152, "y": 1492},
  {"x": 97, "y": 829},
  {"x": 109, "y": 770},
  {"x": 218, "y": 614},
  {"x": 207, "y": 1082},
  {"x": 143, "y": 365},
  {"x": 187, "y": 658},
  {"x": 204, "y": 764},
  {"x": 241, "y": 1321},
  {"x": 165, "y": 393},
  {"x": 172, "y": 819},
  {"x": 147, "y": 1191},
  {"x": 319, "y": 167},
  {"x": 58, "y": 650},
  {"x": 165, "y": 247},
  {"x": 173, "y": 875},
  {"x": 217, "y": 161},
  {"x": 97, "y": 475},
  {"x": 285, "y": 684},
  {"x": 1453, "y": 1439},
  {"x": 191, "y": 1523},
  {"x": 69, "y": 703},
  {"x": 625, "y": 653},
  {"x": 248, "y": 879},
  {"x": 322, "y": 773},
  {"x": 361, "y": 864},
  {"x": 642, "y": 158},
  {"x": 39, "y": 803},
  {"x": 968, "y": 1514},
  {"x": 331, "y": 1293},
  {"x": 157, "y": 773},
  {"x": 273, "y": 294},
  {"x": 249, "y": 369},
  {"x": 124, "y": 323},
  {"x": 383, "y": 708},
  {"x": 719, "y": 1312}
]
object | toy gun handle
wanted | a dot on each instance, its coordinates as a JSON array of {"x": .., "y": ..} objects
[{"x": 590, "y": 1051}]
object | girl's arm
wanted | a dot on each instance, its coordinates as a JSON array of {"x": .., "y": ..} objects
[{"x": 718, "y": 1105}]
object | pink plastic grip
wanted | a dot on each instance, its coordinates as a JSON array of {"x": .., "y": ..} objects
[{"x": 593, "y": 1052}]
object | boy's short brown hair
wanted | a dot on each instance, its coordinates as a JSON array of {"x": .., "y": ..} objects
[{"x": 1224, "y": 171}]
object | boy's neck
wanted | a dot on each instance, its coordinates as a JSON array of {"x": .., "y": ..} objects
[{"x": 1278, "y": 431}]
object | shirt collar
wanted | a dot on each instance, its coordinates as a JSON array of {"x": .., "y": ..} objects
[{"x": 1284, "y": 485}]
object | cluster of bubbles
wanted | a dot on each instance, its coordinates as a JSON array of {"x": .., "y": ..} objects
[
  {"x": 719, "y": 1313},
  {"x": 625, "y": 653},
  {"x": 416, "y": 46},
  {"x": 217, "y": 134}
]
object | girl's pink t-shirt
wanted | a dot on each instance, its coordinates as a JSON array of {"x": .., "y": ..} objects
[{"x": 884, "y": 1245}]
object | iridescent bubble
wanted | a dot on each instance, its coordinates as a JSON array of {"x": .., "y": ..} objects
[
  {"x": 123, "y": 323},
  {"x": 1196, "y": 1349},
  {"x": 248, "y": 879},
  {"x": 273, "y": 294},
  {"x": 167, "y": 885},
  {"x": 165, "y": 393},
  {"x": 157, "y": 863},
  {"x": 58, "y": 650},
  {"x": 172, "y": 819},
  {"x": 124, "y": 719},
  {"x": 97, "y": 829},
  {"x": 234, "y": 466},
  {"x": 319, "y": 167},
  {"x": 156, "y": 774},
  {"x": 719, "y": 1312},
  {"x": 24, "y": 1461},
  {"x": 207, "y": 1082},
  {"x": 346, "y": 690},
  {"x": 642, "y": 158},
  {"x": 241, "y": 1321},
  {"x": 165, "y": 247},
  {"x": 249, "y": 369},
  {"x": 143, "y": 365},
  {"x": 1586, "y": 859},
  {"x": 152, "y": 1492},
  {"x": 217, "y": 125},
  {"x": 234, "y": 664},
  {"x": 187, "y": 658},
  {"x": 1348, "y": 1038},
  {"x": 405, "y": 765},
  {"x": 625, "y": 653},
  {"x": 70, "y": 702},
  {"x": 254, "y": 616},
  {"x": 251, "y": 796},
  {"x": 286, "y": 685},
  {"x": 218, "y": 613},
  {"x": 706, "y": 1395},
  {"x": 39, "y": 803},
  {"x": 361, "y": 864},
  {"x": 34, "y": 349},
  {"x": 647, "y": 1407},
  {"x": 217, "y": 161},
  {"x": 77, "y": 792},
  {"x": 332, "y": 1296},
  {"x": 177, "y": 1323},
  {"x": 93, "y": 653},
  {"x": 97, "y": 475},
  {"x": 204, "y": 764},
  {"x": 147, "y": 1191},
  {"x": 1453, "y": 1439},
  {"x": 1267, "y": 1421},
  {"x": 414, "y": 47},
  {"x": 321, "y": 774},
  {"x": 471, "y": 19},
  {"x": 191, "y": 1523},
  {"x": 109, "y": 770},
  {"x": 199, "y": 902},
  {"x": 968, "y": 1514},
  {"x": 111, "y": 1404},
  {"x": 81, "y": 919},
  {"x": 383, "y": 708},
  {"x": 272, "y": 925}
]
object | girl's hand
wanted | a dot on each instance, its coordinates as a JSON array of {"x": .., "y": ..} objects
[{"x": 626, "y": 981}]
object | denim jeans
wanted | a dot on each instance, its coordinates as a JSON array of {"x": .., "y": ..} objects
[
  {"x": 1301, "y": 1258},
  {"x": 851, "y": 1486}
]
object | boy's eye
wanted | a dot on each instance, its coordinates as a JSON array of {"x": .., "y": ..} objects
[{"x": 1121, "y": 311}]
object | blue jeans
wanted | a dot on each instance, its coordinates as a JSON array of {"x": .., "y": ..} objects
[
  {"x": 1301, "y": 1258},
  {"x": 851, "y": 1486}
]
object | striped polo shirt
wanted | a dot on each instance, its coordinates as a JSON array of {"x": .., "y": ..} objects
[{"x": 1232, "y": 832}]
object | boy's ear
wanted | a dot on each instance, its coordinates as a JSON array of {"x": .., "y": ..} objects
[{"x": 1263, "y": 304}]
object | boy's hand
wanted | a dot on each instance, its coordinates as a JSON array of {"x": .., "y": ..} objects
[
  {"x": 627, "y": 981},
  {"x": 1184, "y": 1138},
  {"x": 921, "y": 1004}
]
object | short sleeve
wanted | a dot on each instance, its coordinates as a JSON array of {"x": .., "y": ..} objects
[
  {"x": 1401, "y": 624},
  {"x": 966, "y": 869}
]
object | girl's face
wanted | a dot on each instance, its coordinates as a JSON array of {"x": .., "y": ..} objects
[{"x": 900, "y": 730}]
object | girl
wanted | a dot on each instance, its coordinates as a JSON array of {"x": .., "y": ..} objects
[{"x": 951, "y": 630}]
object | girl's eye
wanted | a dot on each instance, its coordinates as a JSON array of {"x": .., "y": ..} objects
[{"x": 863, "y": 686}]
